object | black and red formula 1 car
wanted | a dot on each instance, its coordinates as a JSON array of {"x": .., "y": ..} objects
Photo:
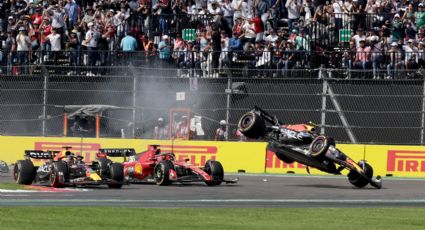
[
  {"x": 66, "y": 170},
  {"x": 154, "y": 166},
  {"x": 301, "y": 143}
]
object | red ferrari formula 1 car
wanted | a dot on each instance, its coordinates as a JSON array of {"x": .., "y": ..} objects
[
  {"x": 154, "y": 166},
  {"x": 301, "y": 143}
]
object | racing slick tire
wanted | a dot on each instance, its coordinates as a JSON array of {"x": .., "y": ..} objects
[
  {"x": 116, "y": 173},
  {"x": 215, "y": 170},
  {"x": 58, "y": 168},
  {"x": 24, "y": 172},
  {"x": 320, "y": 145},
  {"x": 358, "y": 180},
  {"x": 252, "y": 125},
  {"x": 104, "y": 166},
  {"x": 162, "y": 172}
]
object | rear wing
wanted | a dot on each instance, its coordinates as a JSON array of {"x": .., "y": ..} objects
[
  {"x": 38, "y": 154},
  {"x": 118, "y": 152}
]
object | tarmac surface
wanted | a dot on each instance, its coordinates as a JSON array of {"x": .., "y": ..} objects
[{"x": 253, "y": 191}]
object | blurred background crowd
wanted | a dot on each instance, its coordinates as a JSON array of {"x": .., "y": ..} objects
[{"x": 202, "y": 37}]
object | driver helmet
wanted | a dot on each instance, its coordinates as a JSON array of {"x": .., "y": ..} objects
[{"x": 223, "y": 122}]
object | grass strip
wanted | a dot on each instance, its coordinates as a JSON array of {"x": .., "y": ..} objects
[{"x": 210, "y": 218}]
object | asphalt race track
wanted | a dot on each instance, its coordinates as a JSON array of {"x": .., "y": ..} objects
[{"x": 251, "y": 191}]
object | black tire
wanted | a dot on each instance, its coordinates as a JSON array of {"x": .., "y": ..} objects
[
  {"x": 356, "y": 179},
  {"x": 104, "y": 165},
  {"x": 252, "y": 125},
  {"x": 116, "y": 171},
  {"x": 215, "y": 170},
  {"x": 320, "y": 145},
  {"x": 58, "y": 167},
  {"x": 162, "y": 172},
  {"x": 24, "y": 172}
]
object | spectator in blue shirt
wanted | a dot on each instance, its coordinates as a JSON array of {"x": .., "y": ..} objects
[
  {"x": 164, "y": 48},
  {"x": 128, "y": 43},
  {"x": 128, "y": 46},
  {"x": 235, "y": 43}
]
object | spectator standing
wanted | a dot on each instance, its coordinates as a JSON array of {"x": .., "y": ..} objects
[
  {"x": 90, "y": 41},
  {"x": 221, "y": 133},
  {"x": 74, "y": 47},
  {"x": 128, "y": 46},
  {"x": 396, "y": 61},
  {"x": 160, "y": 131},
  {"x": 58, "y": 20},
  {"x": 411, "y": 55},
  {"x": 258, "y": 27},
  {"x": 358, "y": 37},
  {"x": 338, "y": 9},
  {"x": 228, "y": 12},
  {"x": 45, "y": 29},
  {"x": 294, "y": 10},
  {"x": 397, "y": 29},
  {"x": 71, "y": 10},
  {"x": 420, "y": 16},
  {"x": 23, "y": 43},
  {"x": 55, "y": 41},
  {"x": 362, "y": 56},
  {"x": 164, "y": 48},
  {"x": 9, "y": 48}
]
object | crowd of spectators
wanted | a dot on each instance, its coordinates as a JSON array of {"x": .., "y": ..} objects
[{"x": 383, "y": 36}]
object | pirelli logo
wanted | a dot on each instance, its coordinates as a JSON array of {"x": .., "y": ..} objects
[
  {"x": 87, "y": 150},
  {"x": 406, "y": 161},
  {"x": 197, "y": 155},
  {"x": 273, "y": 162}
]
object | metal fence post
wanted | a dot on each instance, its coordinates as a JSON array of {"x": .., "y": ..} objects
[
  {"x": 134, "y": 105},
  {"x": 228, "y": 91},
  {"x": 45, "y": 82},
  {"x": 423, "y": 114},
  {"x": 323, "y": 109}
]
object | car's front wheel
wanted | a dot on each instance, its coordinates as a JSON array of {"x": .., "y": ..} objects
[
  {"x": 358, "y": 180},
  {"x": 24, "y": 172},
  {"x": 58, "y": 174},
  {"x": 162, "y": 172},
  {"x": 215, "y": 170}
]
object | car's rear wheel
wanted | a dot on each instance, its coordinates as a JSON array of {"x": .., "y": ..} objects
[
  {"x": 215, "y": 170},
  {"x": 58, "y": 174},
  {"x": 320, "y": 145},
  {"x": 252, "y": 125},
  {"x": 358, "y": 180},
  {"x": 116, "y": 171},
  {"x": 162, "y": 172},
  {"x": 104, "y": 166},
  {"x": 24, "y": 172}
]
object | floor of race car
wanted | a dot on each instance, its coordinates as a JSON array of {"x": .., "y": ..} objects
[{"x": 250, "y": 191}]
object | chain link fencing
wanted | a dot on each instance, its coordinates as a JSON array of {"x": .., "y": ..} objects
[{"x": 351, "y": 110}]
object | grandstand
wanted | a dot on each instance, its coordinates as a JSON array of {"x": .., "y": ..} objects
[{"x": 58, "y": 53}]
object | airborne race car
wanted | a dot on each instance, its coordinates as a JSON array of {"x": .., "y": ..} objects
[
  {"x": 301, "y": 143},
  {"x": 68, "y": 170},
  {"x": 154, "y": 166}
]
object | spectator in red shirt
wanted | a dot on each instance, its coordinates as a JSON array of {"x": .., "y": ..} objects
[{"x": 258, "y": 27}]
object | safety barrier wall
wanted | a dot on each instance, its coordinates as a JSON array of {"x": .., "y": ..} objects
[{"x": 249, "y": 157}]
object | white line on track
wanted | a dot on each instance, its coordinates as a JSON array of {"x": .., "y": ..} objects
[
  {"x": 289, "y": 201},
  {"x": 317, "y": 176}
]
